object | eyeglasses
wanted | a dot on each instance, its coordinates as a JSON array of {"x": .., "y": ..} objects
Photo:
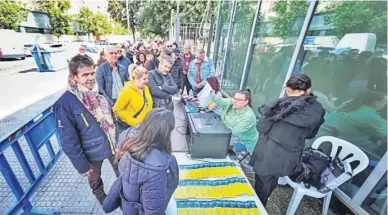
[{"x": 239, "y": 100}]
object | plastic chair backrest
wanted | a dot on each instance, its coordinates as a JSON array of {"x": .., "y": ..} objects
[{"x": 347, "y": 149}]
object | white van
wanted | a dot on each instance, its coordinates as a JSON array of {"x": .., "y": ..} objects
[
  {"x": 11, "y": 45},
  {"x": 360, "y": 41}
]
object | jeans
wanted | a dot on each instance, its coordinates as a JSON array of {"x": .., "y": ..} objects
[
  {"x": 187, "y": 85},
  {"x": 264, "y": 185},
  {"x": 95, "y": 181}
]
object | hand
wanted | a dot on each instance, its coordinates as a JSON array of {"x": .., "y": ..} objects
[
  {"x": 88, "y": 172},
  {"x": 212, "y": 93},
  {"x": 198, "y": 86}
]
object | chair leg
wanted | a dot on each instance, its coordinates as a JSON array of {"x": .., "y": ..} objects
[
  {"x": 326, "y": 203},
  {"x": 294, "y": 202}
]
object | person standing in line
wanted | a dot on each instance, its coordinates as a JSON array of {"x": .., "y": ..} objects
[
  {"x": 186, "y": 60},
  {"x": 177, "y": 69},
  {"x": 85, "y": 124},
  {"x": 199, "y": 70},
  {"x": 161, "y": 84},
  {"x": 149, "y": 173},
  {"x": 111, "y": 76},
  {"x": 283, "y": 127},
  {"x": 135, "y": 100},
  {"x": 122, "y": 59},
  {"x": 102, "y": 58}
]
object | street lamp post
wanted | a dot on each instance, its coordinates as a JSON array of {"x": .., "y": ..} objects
[
  {"x": 177, "y": 23},
  {"x": 129, "y": 35}
]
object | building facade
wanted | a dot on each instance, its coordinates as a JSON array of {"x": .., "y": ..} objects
[{"x": 268, "y": 41}]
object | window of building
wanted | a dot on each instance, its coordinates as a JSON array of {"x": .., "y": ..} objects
[
  {"x": 234, "y": 66},
  {"x": 350, "y": 80},
  {"x": 273, "y": 47}
]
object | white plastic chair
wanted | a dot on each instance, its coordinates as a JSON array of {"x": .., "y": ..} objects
[{"x": 347, "y": 148}]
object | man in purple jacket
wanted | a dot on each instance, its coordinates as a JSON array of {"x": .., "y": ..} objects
[{"x": 85, "y": 124}]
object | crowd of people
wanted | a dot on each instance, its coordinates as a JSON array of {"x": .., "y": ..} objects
[
  {"x": 120, "y": 108},
  {"x": 123, "y": 111}
]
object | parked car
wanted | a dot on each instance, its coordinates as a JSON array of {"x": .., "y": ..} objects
[{"x": 10, "y": 45}]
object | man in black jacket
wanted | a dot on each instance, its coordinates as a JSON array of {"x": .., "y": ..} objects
[
  {"x": 177, "y": 69},
  {"x": 85, "y": 124},
  {"x": 161, "y": 84}
]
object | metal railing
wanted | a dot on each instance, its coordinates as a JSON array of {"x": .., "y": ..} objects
[{"x": 37, "y": 133}]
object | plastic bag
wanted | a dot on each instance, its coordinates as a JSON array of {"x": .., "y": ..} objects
[{"x": 205, "y": 98}]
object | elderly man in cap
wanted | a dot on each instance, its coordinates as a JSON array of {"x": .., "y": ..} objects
[
  {"x": 177, "y": 69},
  {"x": 200, "y": 69}
]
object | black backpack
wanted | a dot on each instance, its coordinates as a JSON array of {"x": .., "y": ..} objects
[{"x": 313, "y": 163}]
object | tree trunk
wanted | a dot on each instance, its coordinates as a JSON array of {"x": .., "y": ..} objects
[{"x": 133, "y": 33}]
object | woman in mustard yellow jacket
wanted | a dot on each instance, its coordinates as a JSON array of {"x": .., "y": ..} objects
[{"x": 134, "y": 100}]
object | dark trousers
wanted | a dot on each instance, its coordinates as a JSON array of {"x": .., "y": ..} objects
[
  {"x": 95, "y": 181},
  {"x": 186, "y": 85},
  {"x": 264, "y": 185}
]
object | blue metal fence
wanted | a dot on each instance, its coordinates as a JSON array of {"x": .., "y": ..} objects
[{"x": 37, "y": 133}]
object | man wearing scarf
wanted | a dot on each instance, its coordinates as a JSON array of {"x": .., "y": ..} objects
[{"x": 85, "y": 124}]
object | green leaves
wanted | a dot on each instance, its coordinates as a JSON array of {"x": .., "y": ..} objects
[
  {"x": 11, "y": 14},
  {"x": 96, "y": 23},
  {"x": 288, "y": 12},
  {"x": 59, "y": 20},
  {"x": 360, "y": 17},
  {"x": 155, "y": 17}
]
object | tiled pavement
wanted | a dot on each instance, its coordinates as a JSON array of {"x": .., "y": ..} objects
[{"x": 66, "y": 191}]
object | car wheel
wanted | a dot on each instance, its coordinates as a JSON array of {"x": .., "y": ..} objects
[{"x": 23, "y": 58}]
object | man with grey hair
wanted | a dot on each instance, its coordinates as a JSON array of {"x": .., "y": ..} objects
[
  {"x": 111, "y": 76},
  {"x": 161, "y": 84},
  {"x": 199, "y": 70}
]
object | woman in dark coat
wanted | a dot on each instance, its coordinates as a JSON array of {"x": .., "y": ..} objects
[
  {"x": 283, "y": 127},
  {"x": 148, "y": 172}
]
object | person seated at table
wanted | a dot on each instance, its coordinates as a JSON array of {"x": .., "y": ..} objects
[
  {"x": 134, "y": 101},
  {"x": 237, "y": 114},
  {"x": 149, "y": 172},
  {"x": 200, "y": 69}
]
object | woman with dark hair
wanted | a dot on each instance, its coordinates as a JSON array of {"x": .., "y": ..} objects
[
  {"x": 141, "y": 59},
  {"x": 284, "y": 125},
  {"x": 148, "y": 171},
  {"x": 237, "y": 114}
]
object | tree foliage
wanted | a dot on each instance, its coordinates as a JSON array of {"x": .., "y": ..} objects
[
  {"x": 359, "y": 17},
  {"x": 118, "y": 12},
  {"x": 154, "y": 17},
  {"x": 95, "y": 23},
  {"x": 59, "y": 19},
  {"x": 118, "y": 29},
  {"x": 288, "y": 13},
  {"x": 11, "y": 14}
]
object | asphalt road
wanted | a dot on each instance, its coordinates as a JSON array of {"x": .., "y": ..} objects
[{"x": 21, "y": 84}]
